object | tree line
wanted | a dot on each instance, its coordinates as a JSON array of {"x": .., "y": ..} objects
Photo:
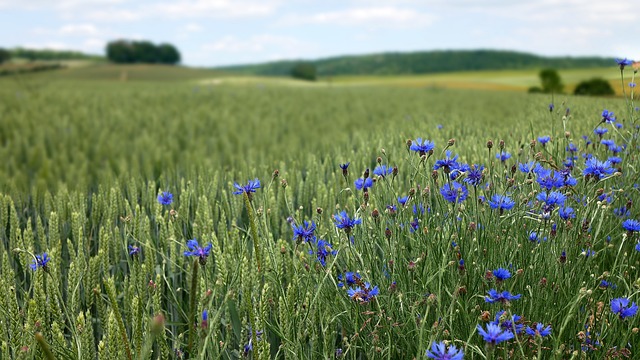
[{"x": 127, "y": 52}]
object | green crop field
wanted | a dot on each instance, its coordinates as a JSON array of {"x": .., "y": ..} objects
[{"x": 159, "y": 212}]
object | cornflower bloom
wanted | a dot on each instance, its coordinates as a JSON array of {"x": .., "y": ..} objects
[
  {"x": 205, "y": 319},
  {"x": 133, "y": 250},
  {"x": 363, "y": 293},
  {"x": 40, "y": 261},
  {"x": 323, "y": 250},
  {"x": 597, "y": 169},
  {"x": 543, "y": 140},
  {"x": 250, "y": 188},
  {"x": 607, "y": 142},
  {"x": 620, "y": 306},
  {"x": 363, "y": 184},
  {"x": 455, "y": 192},
  {"x": 422, "y": 147},
  {"x": 572, "y": 148},
  {"x": 475, "y": 175},
  {"x": 607, "y": 117},
  {"x": 539, "y": 330},
  {"x": 503, "y": 156},
  {"x": 382, "y": 170},
  {"x": 402, "y": 200},
  {"x": 350, "y": 278},
  {"x": 588, "y": 253},
  {"x": 631, "y": 225},
  {"x": 623, "y": 62},
  {"x": 494, "y": 334},
  {"x": 448, "y": 163},
  {"x": 304, "y": 232},
  {"x": 566, "y": 213},
  {"x": 552, "y": 199},
  {"x": 527, "y": 167},
  {"x": 600, "y": 131},
  {"x": 165, "y": 198},
  {"x": 195, "y": 250},
  {"x": 439, "y": 351},
  {"x": 501, "y": 274},
  {"x": 508, "y": 324},
  {"x": 345, "y": 169},
  {"x": 501, "y": 202},
  {"x": 343, "y": 221},
  {"x": 503, "y": 297}
]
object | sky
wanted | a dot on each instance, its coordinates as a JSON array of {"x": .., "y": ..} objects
[{"x": 226, "y": 32}]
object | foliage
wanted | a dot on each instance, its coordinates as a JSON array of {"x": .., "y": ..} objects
[
  {"x": 125, "y": 51},
  {"x": 425, "y": 62},
  {"x": 594, "y": 87},
  {"x": 539, "y": 260},
  {"x": 5, "y": 55},
  {"x": 304, "y": 71},
  {"x": 47, "y": 54}
]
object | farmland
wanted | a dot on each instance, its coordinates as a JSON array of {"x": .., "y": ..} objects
[{"x": 185, "y": 214}]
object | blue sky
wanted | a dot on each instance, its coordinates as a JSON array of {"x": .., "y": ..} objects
[{"x": 221, "y": 32}]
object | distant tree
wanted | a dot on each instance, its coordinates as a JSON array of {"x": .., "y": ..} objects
[
  {"x": 595, "y": 86},
  {"x": 120, "y": 51},
  {"x": 5, "y": 55},
  {"x": 124, "y": 51},
  {"x": 551, "y": 82},
  {"x": 168, "y": 54},
  {"x": 304, "y": 71}
]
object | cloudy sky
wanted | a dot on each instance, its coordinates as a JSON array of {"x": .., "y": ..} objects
[{"x": 221, "y": 32}]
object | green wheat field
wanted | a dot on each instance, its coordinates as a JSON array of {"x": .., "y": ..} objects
[{"x": 197, "y": 217}]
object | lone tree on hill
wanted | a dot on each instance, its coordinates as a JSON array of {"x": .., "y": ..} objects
[
  {"x": 5, "y": 55},
  {"x": 304, "y": 71},
  {"x": 127, "y": 52},
  {"x": 550, "y": 82}
]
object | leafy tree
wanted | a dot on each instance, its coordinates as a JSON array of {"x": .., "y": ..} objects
[
  {"x": 304, "y": 71},
  {"x": 120, "y": 51},
  {"x": 168, "y": 54},
  {"x": 124, "y": 51},
  {"x": 5, "y": 55},
  {"x": 551, "y": 82},
  {"x": 595, "y": 86},
  {"x": 145, "y": 52}
]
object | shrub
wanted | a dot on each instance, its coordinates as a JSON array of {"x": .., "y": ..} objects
[{"x": 595, "y": 86}]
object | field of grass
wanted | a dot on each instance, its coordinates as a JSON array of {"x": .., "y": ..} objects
[{"x": 188, "y": 219}]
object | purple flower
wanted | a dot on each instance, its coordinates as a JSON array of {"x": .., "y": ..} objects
[
  {"x": 494, "y": 334},
  {"x": 501, "y": 202},
  {"x": 597, "y": 169},
  {"x": 607, "y": 117},
  {"x": 363, "y": 184},
  {"x": 501, "y": 274},
  {"x": 324, "y": 249},
  {"x": 540, "y": 330},
  {"x": 439, "y": 351},
  {"x": 343, "y": 221},
  {"x": 543, "y": 140},
  {"x": 631, "y": 225},
  {"x": 449, "y": 163},
  {"x": 454, "y": 192},
  {"x": 475, "y": 175},
  {"x": 382, "y": 170},
  {"x": 165, "y": 198},
  {"x": 503, "y": 156},
  {"x": 621, "y": 307},
  {"x": 350, "y": 278},
  {"x": 133, "y": 250},
  {"x": 40, "y": 261},
  {"x": 251, "y": 187},
  {"x": 508, "y": 324},
  {"x": 623, "y": 62},
  {"x": 503, "y": 297},
  {"x": 566, "y": 213},
  {"x": 304, "y": 233},
  {"x": 363, "y": 293},
  {"x": 195, "y": 250},
  {"x": 422, "y": 147},
  {"x": 402, "y": 200}
]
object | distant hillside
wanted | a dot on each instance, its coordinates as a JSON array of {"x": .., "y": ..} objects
[
  {"x": 47, "y": 54},
  {"x": 424, "y": 62}
]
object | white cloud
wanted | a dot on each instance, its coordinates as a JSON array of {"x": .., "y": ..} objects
[
  {"x": 213, "y": 8},
  {"x": 113, "y": 15},
  {"x": 377, "y": 17},
  {"x": 254, "y": 49},
  {"x": 78, "y": 30},
  {"x": 193, "y": 27}
]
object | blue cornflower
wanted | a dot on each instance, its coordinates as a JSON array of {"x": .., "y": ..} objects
[
  {"x": 345, "y": 169},
  {"x": 607, "y": 116},
  {"x": 621, "y": 307},
  {"x": 503, "y": 156},
  {"x": 607, "y": 142},
  {"x": 547, "y": 178},
  {"x": 455, "y": 192},
  {"x": 623, "y": 62},
  {"x": 632, "y": 84},
  {"x": 304, "y": 232},
  {"x": 503, "y": 297},
  {"x": 501, "y": 274},
  {"x": 604, "y": 284},
  {"x": 251, "y": 187},
  {"x": 551, "y": 107},
  {"x": 614, "y": 160},
  {"x": 540, "y": 330},
  {"x": 588, "y": 253},
  {"x": 638, "y": 247},
  {"x": 383, "y": 170},
  {"x": 165, "y": 198},
  {"x": 418, "y": 209},
  {"x": 459, "y": 170},
  {"x": 527, "y": 167},
  {"x": 533, "y": 236},
  {"x": 40, "y": 261},
  {"x": 343, "y": 221},
  {"x": 631, "y": 225},
  {"x": 323, "y": 250},
  {"x": 600, "y": 131},
  {"x": 439, "y": 126},
  {"x": 363, "y": 184},
  {"x": 622, "y": 212},
  {"x": 133, "y": 250},
  {"x": 205, "y": 319},
  {"x": 449, "y": 163},
  {"x": 572, "y": 148},
  {"x": 566, "y": 213},
  {"x": 597, "y": 169},
  {"x": 552, "y": 199},
  {"x": 543, "y": 140},
  {"x": 508, "y": 324},
  {"x": 350, "y": 278},
  {"x": 402, "y": 200},
  {"x": 364, "y": 293},
  {"x": 615, "y": 149},
  {"x": 439, "y": 351},
  {"x": 422, "y": 147},
  {"x": 494, "y": 334},
  {"x": 501, "y": 202},
  {"x": 195, "y": 250},
  {"x": 475, "y": 175}
]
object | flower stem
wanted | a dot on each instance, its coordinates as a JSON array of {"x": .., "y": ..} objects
[
  {"x": 254, "y": 230},
  {"x": 192, "y": 306}
]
